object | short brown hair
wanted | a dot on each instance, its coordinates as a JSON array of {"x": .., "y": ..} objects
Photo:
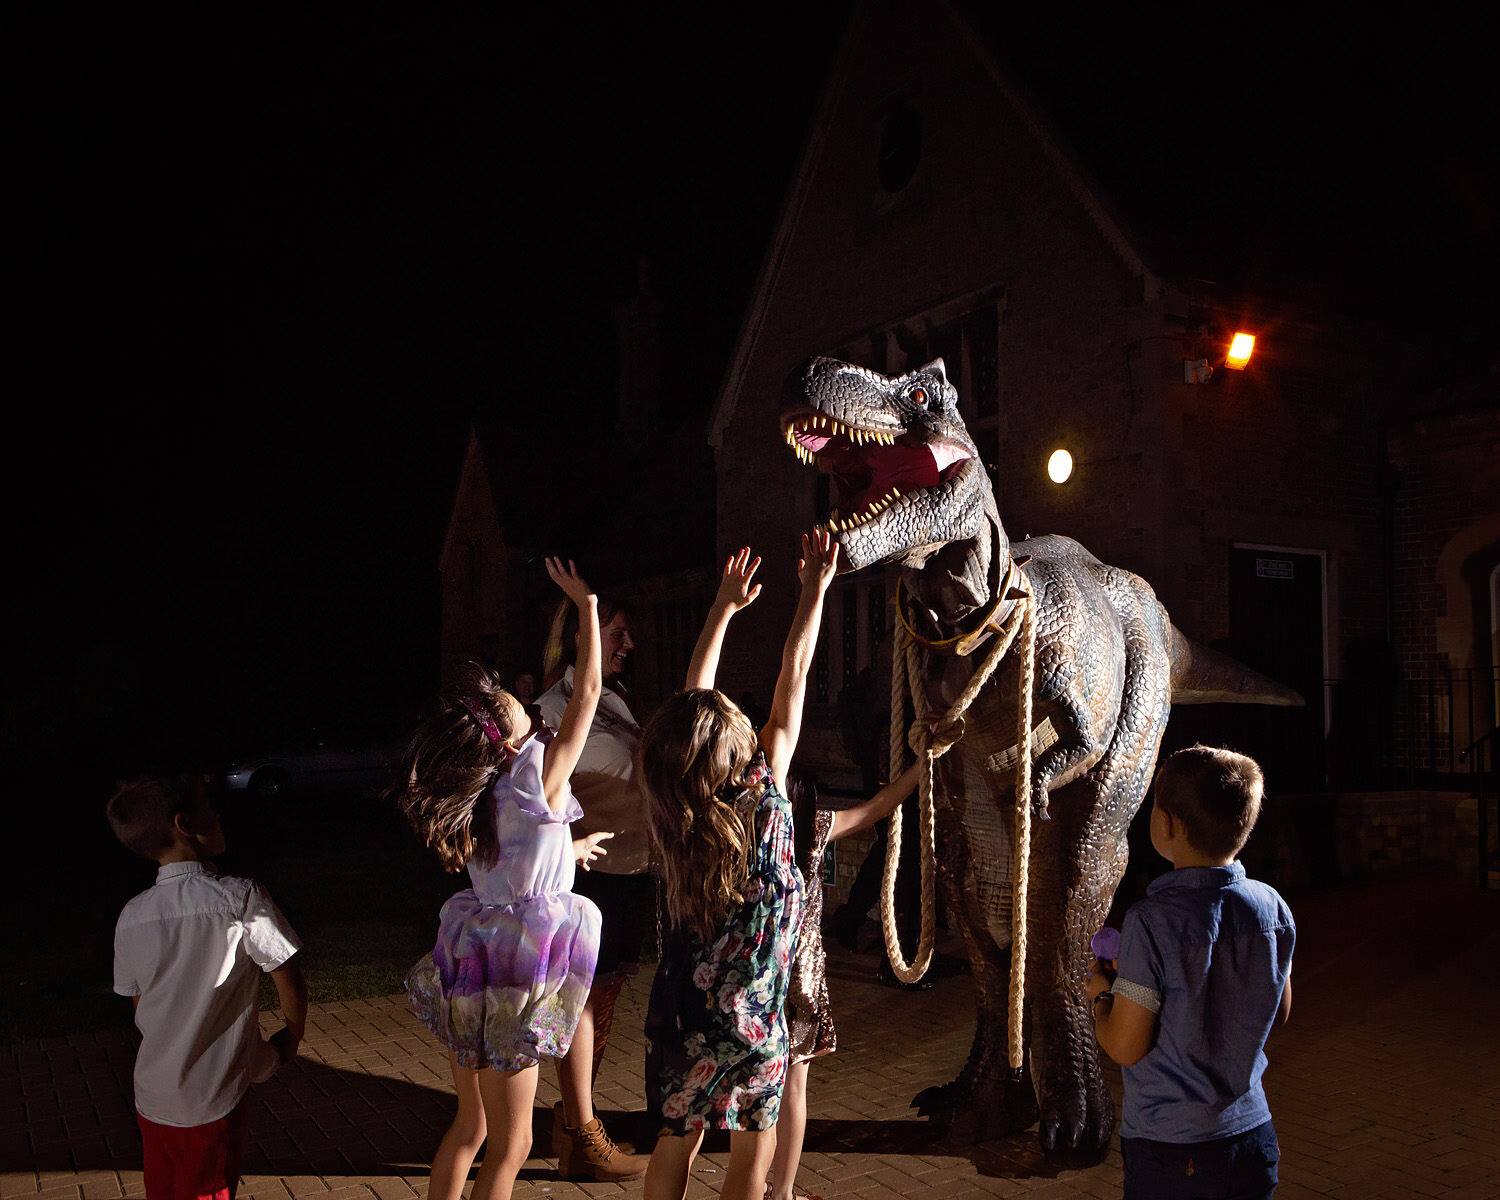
[
  {"x": 142, "y": 810},
  {"x": 1217, "y": 797}
]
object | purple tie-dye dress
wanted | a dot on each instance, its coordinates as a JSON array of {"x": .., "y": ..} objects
[{"x": 515, "y": 953}]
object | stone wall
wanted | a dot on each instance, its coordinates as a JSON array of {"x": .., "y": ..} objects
[{"x": 1305, "y": 842}]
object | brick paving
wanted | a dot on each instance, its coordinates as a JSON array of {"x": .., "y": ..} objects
[{"x": 1382, "y": 1085}]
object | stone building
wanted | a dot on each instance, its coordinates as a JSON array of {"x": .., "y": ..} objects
[{"x": 1294, "y": 513}]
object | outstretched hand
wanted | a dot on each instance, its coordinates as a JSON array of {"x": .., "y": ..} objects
[
  {"x": 820, "y": 560},
  {"x": 586, "y": 849},
  {"x": 735, "y": 589},
  {"x": 567, "y": 577}
]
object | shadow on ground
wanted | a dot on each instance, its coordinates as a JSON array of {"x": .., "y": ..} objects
[{"x": 310, "y": 1119}]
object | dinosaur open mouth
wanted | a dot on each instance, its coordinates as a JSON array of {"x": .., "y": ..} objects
[{"x": 873, "y": 469}]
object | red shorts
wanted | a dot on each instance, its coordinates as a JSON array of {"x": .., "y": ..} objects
[{"x": 186, "y": 1163}]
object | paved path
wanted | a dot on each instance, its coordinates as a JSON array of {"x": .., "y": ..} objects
[{"x": 1384, "y": 1084}]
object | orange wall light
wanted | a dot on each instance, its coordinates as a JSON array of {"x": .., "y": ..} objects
[{"x": 1240, "y": 350}]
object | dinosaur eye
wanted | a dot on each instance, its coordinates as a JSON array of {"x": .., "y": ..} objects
[{"x": 919, "y": 397}]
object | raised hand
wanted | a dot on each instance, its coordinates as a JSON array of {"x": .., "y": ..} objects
[
  {"x": 563, "y": 751},
  {"x": 735, "y": 589},
  {"x": 820, "y": 560},
  {"x": 586, "y": 849},
  {"x": 566, "y": 576}
]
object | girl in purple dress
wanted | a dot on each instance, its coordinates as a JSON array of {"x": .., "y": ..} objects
[
  {"x": 485, "y": 785},
  {"x": 716, "y": 1055}
]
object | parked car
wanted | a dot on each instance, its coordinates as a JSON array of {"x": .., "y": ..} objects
[{"x": 343, "y": 758}]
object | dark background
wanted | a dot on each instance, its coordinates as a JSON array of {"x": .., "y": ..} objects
[{"x": 272, "y": 269}]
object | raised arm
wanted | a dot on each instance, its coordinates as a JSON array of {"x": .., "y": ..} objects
[
  {"x": 573, "y": 730},
  {"x": 877, "y": 807},
  {"x": 815, "y": 571},
  {"x": 735, "y": 592}
]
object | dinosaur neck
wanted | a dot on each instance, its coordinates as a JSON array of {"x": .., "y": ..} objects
[{"x": 958, "y": 582}]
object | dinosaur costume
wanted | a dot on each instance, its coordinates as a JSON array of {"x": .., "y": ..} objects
[{"x": 1108, "y": 665}]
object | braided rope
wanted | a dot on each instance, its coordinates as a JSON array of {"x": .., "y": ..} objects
[
  {"x": 904, "y": 668},
  {"x": 933, "y": 746},
  {"x": 1015, "y": 1025}
]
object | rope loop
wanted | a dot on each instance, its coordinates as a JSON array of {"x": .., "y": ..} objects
[{"x": 932, "y": 738}]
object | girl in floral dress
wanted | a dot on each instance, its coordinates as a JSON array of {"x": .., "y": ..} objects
[
  {"x": 485, "y": 785},
  {"x": 809, "y": 1020},
  {"x": 716, "y": 1035}
]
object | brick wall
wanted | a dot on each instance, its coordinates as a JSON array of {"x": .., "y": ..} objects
[{"x": 1446, "y": 506}]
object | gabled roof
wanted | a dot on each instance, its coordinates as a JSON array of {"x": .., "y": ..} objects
[{"x": 846, "y": 58}]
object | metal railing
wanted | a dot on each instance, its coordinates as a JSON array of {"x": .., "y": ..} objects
[
  {"x": 1410, "y": 732},
  {"x": 1482, "y": 759}
]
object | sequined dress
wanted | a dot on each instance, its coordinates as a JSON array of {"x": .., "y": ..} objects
[
  {"x": 509, "y": 976},
  {"x": 809, "y": 1019}
]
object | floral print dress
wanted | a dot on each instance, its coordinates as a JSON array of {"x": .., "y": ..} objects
[{"x": 716, "y": 1036}]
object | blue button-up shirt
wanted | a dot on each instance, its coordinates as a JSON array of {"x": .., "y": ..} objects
[{"x": 1208, "y": 950}]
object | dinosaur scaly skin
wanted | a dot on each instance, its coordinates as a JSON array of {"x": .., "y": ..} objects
[{"x": 914, "y": 492}]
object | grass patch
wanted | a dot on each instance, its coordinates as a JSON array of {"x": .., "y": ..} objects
[{"x": 351, "y": 879}]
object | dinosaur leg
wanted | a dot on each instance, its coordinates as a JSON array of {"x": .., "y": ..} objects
[
  {"x": 1077, "y": 859},
  {"x": 984, "y": 1101}
]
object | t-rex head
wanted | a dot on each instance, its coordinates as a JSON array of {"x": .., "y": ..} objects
[{"x": 908, "y": 475}]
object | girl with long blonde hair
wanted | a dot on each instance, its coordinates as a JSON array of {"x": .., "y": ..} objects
[{"x": 716, "y": 1035}]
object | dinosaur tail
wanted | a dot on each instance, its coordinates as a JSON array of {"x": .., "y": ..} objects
[{"x": 1204, "y": 676}]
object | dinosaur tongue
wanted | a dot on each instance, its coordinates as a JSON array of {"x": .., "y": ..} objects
[{"x": 868, "y": 472}]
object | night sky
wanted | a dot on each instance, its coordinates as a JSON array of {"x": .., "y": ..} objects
[{"x": 272, "y": 273}]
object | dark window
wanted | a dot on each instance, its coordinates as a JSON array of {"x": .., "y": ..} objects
[
  {"x": 983, "y": 338},
  {"x": 900, "y": 148}
]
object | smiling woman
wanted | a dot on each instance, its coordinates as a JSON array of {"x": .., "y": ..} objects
[{"x": 619, "y": 882}]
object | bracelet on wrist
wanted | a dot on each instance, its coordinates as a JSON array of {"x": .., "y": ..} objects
[{"x": 1106, "y": 994}]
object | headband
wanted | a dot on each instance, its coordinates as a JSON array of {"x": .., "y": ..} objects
[{"x": 486, "y": 722}]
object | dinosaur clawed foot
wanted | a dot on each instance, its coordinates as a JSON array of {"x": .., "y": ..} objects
[
  {"x": 969, "y": 1114},
  {"x": 1077, "y": 1127}
]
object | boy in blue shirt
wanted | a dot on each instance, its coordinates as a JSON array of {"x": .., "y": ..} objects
[{"x": 1203, "y": 976}]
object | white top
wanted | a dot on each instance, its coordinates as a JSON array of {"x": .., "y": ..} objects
[
  {"x": 193, "y": 948},
  {"x": 536, "y": 844},
  {"x": 603, "y": 782}
]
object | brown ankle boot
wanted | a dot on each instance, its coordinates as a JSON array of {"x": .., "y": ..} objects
[{"x": 589, "y": 1152}]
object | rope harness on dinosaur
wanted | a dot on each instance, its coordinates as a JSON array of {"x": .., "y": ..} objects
[{"x": 931, "y": 740}]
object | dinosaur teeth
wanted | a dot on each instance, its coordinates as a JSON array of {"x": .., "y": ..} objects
[{"x": 820, "y": 424}]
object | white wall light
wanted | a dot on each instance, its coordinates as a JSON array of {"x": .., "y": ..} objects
[{"x": 1060, "y": 466}]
